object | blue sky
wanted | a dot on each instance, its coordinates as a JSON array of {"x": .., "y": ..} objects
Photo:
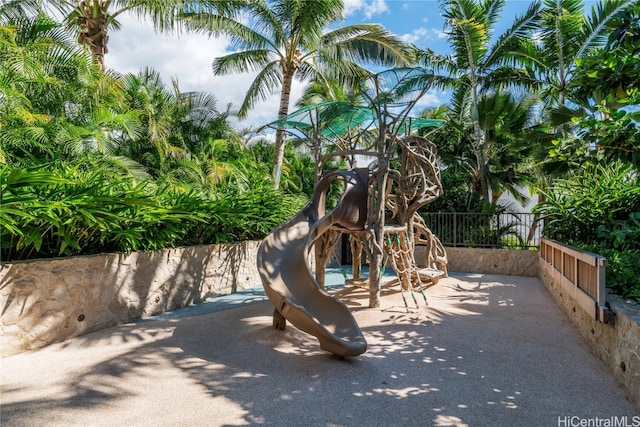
[
  {"x": 420, "y": 21},
  {"x": 188, "y": 57}
]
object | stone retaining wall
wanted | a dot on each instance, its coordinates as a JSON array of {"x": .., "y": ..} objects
[
  {"x": 493, "y": 261},
  {"x": 51, "y": 300},
  {"x": 617, "y": 344}
]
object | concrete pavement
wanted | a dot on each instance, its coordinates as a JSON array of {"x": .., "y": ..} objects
[{"x": 489, "y": 350}]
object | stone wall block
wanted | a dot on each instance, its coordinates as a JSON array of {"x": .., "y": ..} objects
[
  {"x": 20, "y": 294},
  {"x": 15, "y": 340},
  {"x": 616, "y": 345},
  {"x": 48, "y": 327},
  {"x": 47, "y": 301},
  {"x": 493, "y": 261}
]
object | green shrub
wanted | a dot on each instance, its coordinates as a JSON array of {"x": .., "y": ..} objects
[
  {"x": 599, "y": 211},
  {"x": 62, "y": 211}
]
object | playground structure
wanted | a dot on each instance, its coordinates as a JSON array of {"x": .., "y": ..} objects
[
  {"x": 378, "y": 210},
  {"x": 283, "y": 263},
  {"x": 283, "y": 256},
  {"x": 413, "y": 185}
]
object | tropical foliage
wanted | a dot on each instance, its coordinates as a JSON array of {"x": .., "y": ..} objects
[
  {"x": 598, "y": 210},
  {"x": 566, "y": 35},
  {"x": 93, "y": 161},
  {"x": 597, "y": 207},
  {"x": 607, "y": 82},
  {"x": 91, "y": 21},
  {"x": 61, "y": 210},
  {"x": 283, "y": 40},
  {"x": 480, "y": 65}
]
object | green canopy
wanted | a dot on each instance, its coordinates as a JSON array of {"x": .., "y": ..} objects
[
  {"x": 381, "y": 96},
  {"x": 336, "y": 119}
]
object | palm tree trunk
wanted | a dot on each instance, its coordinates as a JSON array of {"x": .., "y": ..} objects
[
  {"x": 483, "y": 176},
  {"x": 93, "y": 29},
  {"x": 280, "y": 133},
  {"x": 479, "y": 142},
  {"x": 536, "y": 219}
]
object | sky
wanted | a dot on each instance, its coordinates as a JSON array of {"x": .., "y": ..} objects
[{"x": 188, "y": 57}]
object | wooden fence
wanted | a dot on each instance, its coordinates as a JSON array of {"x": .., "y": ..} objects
[{"x": 581, "y": 274}]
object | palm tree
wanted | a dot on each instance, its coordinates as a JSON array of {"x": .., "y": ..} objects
[
  {"x": 567, "y": 34},
  {"x": 92, "y": 20},
  {"x": 44, "y": 78},
  {"x": 285, "y": 39},
  {"x": 477, "y": 64},
  {"x": 19, "y": 65},
  {"x": 505, "y": 120},
  {"x": 331, "y": 90},
  {"x": 567, "y": 37},
  {"x": 174, "y": 124}
]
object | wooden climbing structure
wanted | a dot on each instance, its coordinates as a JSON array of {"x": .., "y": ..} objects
[
  {"x": 413, "y": 182},
  {"x": 404, "y": 175}
]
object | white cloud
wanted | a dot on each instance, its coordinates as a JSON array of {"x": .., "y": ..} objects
[
  {"x": 369, "y": 8},
  {"x": 431, "y": 99},
  {"x": 188, "y": 58},
  {"x": 422, "y": 34},
  {"x": 414, "y": 36},
  {"x": 536, "y": 37}
]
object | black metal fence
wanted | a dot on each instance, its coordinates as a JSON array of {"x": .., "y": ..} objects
[{"x": 485, "y": 230}]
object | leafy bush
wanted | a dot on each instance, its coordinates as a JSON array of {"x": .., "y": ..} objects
[
  {"x": 63, "y": 211},
  {"x": 457, "y": 196},
  {"x": 599, "y": 211}
]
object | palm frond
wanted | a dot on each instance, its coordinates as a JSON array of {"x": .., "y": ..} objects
[
  {"x": 561, "y": 22},
  {"x": 308, "y": 17},
  {"x": 445, "y": 69},
  {"x": 244, "y": 61},
  {"x": 263, "y": 86},
  {"x": 506, "y": 76},
  {"x": 509, "y": 43},
  {"x": 365, "y": 43},
  {"x": 240, "y": 35},
  {"x": 492, "y": 12},
  {"x": 594, "y": 31},
  {"x": 16, "y": 10}
]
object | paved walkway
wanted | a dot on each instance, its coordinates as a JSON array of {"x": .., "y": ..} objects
[{"x": 489, "y": 350}]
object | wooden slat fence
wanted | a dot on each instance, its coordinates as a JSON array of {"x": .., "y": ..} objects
[{"x": 581, "y": 274}]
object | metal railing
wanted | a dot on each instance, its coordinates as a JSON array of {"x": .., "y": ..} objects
[
  {"x": 485, "y": 230},
  {"x": 581, "y": 274}
]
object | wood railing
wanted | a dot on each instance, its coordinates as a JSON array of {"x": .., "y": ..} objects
[{"x": 581, "y": 274}]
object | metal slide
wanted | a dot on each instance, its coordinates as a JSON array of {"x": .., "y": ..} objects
[{"x": 285, "y": 272}]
